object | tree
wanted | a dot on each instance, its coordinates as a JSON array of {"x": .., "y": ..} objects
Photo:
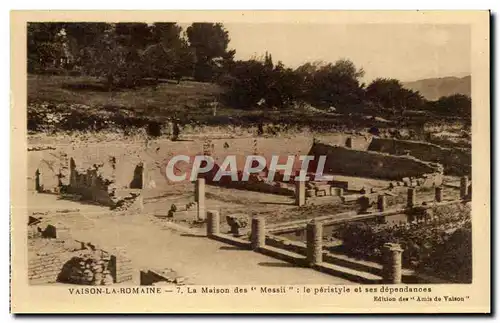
[
  {"x": 45, "y": 45},
  {"x": 259, "y": 83},
  {"x": 81, "y": 35},
  {"x": 389, "y": 94},
  {"x": 210, "y": 43},
  {"x": 457, "y": 104},
  {"x": 283, "y": 87},
  {"x": 110, "y": 58},
  {"x": 133, "y": 35},
  {"x": 168, "y": 33},
  {"x": 246, "y": 84},
  {"x": 330, "y": 84},
  {"x": 171, "y": 55}
]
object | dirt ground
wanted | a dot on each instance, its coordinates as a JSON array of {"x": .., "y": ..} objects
[
  {"x": 155, "y": 243},
  {"x": 191, "y": 254}
]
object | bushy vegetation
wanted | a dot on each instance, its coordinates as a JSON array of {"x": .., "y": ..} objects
[
  {"x": 441, "y": 247},
  {"x": 122, "y": 54},
  {"x": 114, "y": 58}
]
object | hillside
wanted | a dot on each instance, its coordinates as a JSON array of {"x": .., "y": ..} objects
[
  {"x": 78, "y": 103},
  {"x": 434, "y": 88},
  {"x": 168, "y": 98}
]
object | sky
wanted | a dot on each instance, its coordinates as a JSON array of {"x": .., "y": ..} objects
[{"x": 407, "y": 52}]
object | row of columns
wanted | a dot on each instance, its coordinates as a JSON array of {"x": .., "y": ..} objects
[
  {"x": 438, "y": 195},
  {"x": 392, "y": 253},
  {"x": 258, "y": 227},
  {"x": 300, "y": 194}
]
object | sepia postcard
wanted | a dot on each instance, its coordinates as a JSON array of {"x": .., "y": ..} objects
[{"x": 250, "y": 162}]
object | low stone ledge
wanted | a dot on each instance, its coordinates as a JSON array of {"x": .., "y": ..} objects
[
  {"x": 348, "y": 274},
  {"x": 284, "y": 255},
  {"x": 244, "y": 244},
  {"x": 286, "y": 244}
]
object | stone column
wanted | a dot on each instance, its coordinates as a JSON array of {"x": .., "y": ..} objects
[
  {"x": 38, "y": 186},
  {"x": 144, "y": 178},
  {"x": 412, "y": 197},
  {"x": 300, "y": 193},
  {"x": 337, "y": 191},
  {"x": 213, "y": 223},
  {"x": 200, "y": 198},
  {"x": 392, "y": 266},
  {"x": 348, "y": 142},
  {"x": 464, "y": 187},
  {"x": 314, "y": 236},
  {"x": 381, "y": 203},
  {"x": 439, "y": 194},
  {"x": 196, "y": 191},
  {"x": 258, "y": 235}
]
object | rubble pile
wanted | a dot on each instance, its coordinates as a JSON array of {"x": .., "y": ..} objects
[{"x": 88, "y": 269}]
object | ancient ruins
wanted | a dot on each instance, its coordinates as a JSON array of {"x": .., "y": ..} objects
[{"x": 375, "y": 180}]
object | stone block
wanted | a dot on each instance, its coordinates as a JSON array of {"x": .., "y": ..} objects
[
  {"x": 325, "y": 188},
  {"x": 237, "y": 223},
  {"x": 320, "y": 193}
]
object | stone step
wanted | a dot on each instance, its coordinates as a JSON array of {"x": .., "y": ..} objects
[
  {"x": 347, "y": 262},
  {"x": 359, "y": 265},
  {"x": 348, "y": 273},
  {"x": 285, "y": 255},
  {"x": 238, "y": 242}
]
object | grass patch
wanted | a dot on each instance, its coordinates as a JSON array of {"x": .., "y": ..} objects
[
  {"x": 164, "y": 99},
  {"x": 86, "y": 103}
]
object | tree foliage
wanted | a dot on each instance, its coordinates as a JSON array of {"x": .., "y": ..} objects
[
  {"x": 45, "y": 45},
  {"x": 110, "y": 58},
  {"x": 453, "y": 105},
  {"x": 390, "y": 94},
  {"x": 170, "y": 56},
  {"x": 133, "y": 53},
  {"x": 210, "y": 43},
  {"x": 258, "y": 83},
  {"x": 331, "y": 85}
]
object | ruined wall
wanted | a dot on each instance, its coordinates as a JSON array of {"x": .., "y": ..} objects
[
  {"x": 53, "y": 256},
  {"x": 456, "y": 161},
  {"x": 45, "y": 268},
  {"x": 120, "y": 161},
  {"x": 98, "y": 184},
  {"x": 354, "y": 141},
  {"x": 48, "y": 170},
  {"x": 345, "y": 161},
  {"x": 91, "y": 184},
  {"x": 120, "y": 267}
]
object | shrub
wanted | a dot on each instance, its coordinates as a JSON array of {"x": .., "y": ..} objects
[{"x": 442, "y": 246}]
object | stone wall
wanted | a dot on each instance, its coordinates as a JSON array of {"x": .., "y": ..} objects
[
  {"x": 354, "y": 141},
  {"x": 55, "y": 257},
  {"x": 47, "y": 171},
  {"x": 371, "y": 164},
  {"x": 45, "y": 268},
  {"x": 57, "y": 262},
  {"x": 120, "y": 267},
  {"x": 456, "y": 161},
  {"x": 158, "y": 277},
  {"x": 98, "y": 183},
  {"x": 91, "y": 184}
]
